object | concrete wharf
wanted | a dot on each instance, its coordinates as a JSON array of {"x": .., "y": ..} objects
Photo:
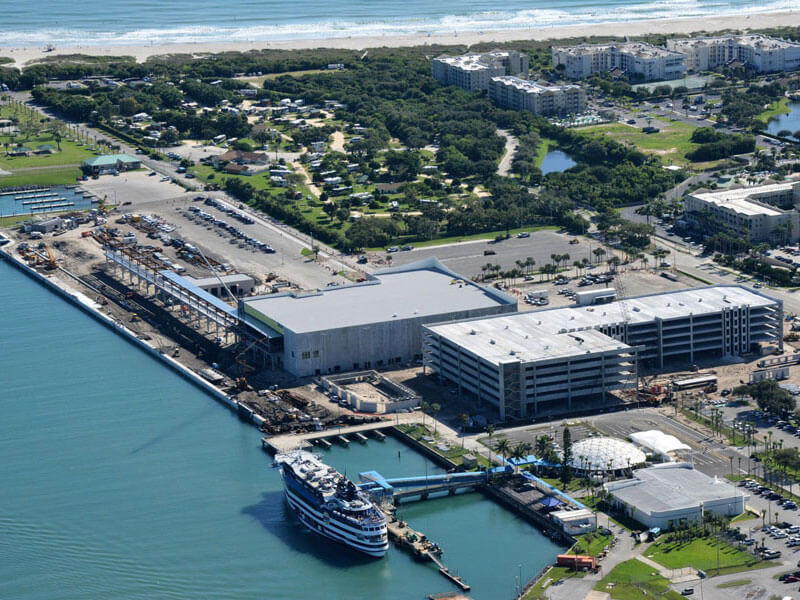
[{"x": 284, "y": 443}]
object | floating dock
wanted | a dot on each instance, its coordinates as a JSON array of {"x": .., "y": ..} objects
[
  {"x": 420, "y": 547},
  {"x": 360, "y": 437},
  {"x": 378, "y": 435},
  {"x": 342, "y": 440}
]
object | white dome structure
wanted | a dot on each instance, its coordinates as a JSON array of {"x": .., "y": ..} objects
[{"x": 604, "y": 454}]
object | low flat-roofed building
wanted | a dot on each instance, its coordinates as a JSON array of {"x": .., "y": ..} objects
[
  {"x": 551, "y": 361},
  {"x": 669, "y": 495},
  {"x": 369, "y": 325},
  {"x": 575, "y": 522},
  {"x": 237, "y": 283},
  {"x": 111, "y": 162},
  {"x": 521, "y": 94},
  {"x": 766, "y": 213},
  {"x": 759, "y": 52}
]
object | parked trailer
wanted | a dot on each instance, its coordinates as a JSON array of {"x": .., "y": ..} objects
[{"x": 704, "y": 381}]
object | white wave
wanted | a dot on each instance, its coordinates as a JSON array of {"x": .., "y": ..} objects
[{"x": 375, "y": 27}]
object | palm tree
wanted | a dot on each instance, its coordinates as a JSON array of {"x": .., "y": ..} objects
[
  {"x": 598, "y": 254},
  {"x": 502, "y": 447}
]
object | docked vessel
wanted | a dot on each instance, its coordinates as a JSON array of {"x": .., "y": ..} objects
[{"x": 331, "y": 505}]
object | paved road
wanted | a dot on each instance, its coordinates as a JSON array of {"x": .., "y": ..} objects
[{"x": 504, "y": 167}]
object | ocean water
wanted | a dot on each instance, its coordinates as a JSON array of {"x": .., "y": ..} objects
[
  {"x": 141, "y": 22},
  {"x": 121, "y": 480}
]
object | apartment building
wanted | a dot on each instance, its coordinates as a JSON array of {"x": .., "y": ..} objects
[
  {"x": 521, "y": 94},
  {"x": 759, "y": 52},
  {"x": 474, "y": 71},
  {"x": 767, "y": 213},
  {"x": 637, "y": 59}
]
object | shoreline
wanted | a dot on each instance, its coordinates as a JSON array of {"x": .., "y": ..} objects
[{"x": 24, "y": 55}]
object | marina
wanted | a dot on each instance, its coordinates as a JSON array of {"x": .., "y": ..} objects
[{"x": 255, "y": 488}]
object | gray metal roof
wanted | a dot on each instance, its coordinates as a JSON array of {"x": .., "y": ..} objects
[
  {"x": 422, "y": 289},
  {"x": 670, "y": 487}
]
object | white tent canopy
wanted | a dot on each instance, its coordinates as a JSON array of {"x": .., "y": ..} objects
[{"x": 658, "y": 442}]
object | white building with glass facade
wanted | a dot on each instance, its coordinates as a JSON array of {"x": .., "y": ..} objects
[
  {"x": 759, "y": 52},
  {"x": 637, "y": 59}
]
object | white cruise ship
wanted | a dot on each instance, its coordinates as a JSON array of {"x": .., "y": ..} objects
[{"x": 330, "y": 504}]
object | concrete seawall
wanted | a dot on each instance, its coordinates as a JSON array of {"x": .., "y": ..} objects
[{"x": 90, "y": 307}]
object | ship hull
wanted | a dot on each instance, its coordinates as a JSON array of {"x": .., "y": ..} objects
[{"x": 321, "y": 523}]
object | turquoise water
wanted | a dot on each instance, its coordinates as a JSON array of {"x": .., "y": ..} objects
[
  {"x": 21, "y": 203},
  {"x": 556, "y": 161},
  {"x": 789, "y": 121},
  {"x": 121, "y": 480},
  {"x": 141, "y": 22}
]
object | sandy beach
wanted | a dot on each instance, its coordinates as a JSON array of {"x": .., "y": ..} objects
[{"x": 23, "y": 56}]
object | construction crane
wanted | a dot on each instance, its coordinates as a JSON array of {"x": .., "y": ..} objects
[{"x": 51, "y": 263}]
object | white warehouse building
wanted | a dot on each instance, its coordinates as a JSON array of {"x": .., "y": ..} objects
[
  {"x": 674, "y": 494},
  {"x": 555, "y": 361},
  {"x": 369, "y": 325}
]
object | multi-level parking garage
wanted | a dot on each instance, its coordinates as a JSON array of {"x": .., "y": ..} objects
[{"x": 546, "y": 362}]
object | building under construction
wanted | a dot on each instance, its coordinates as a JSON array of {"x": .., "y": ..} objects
[{"x": 559, "y": 360}]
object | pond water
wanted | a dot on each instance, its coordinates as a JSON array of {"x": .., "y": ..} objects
[
  {"x": 789, "y": 121},
  {"x": 556, "y": 161}
]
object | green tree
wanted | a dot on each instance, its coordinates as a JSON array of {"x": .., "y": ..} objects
[{"x": 566, "y": 468}]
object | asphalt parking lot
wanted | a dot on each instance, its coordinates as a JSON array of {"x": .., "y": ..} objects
[
  {"x": 136, "y": 187},
  {"x": 287, "y": 261},
  {"x": 467, "y": 258}
]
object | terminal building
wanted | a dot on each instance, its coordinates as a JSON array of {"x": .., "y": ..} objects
[
  {"x": 555, "y": 361},
  {"x": 521, "y": 94},
  {"x": 768, "y": 213},
  {"x": 369, "y": 325},
  {"x": 474, "y": 71},
  {"x": 673, "y": 494},
  {"x": 759, "y": 52},
  {"x": 638, "y": 60}
]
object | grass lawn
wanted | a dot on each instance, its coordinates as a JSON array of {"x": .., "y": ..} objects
[
  {"x": 591, "y": 543},
  {"x": 634, "y": 580},
  {"x": 70, "y": 154},
  {"x": 671, "y": 143},
  {"x": 701, "y": 553},
  {"x": 555, "y": 574},
  {"x": 781, "y": 107},
  {"x": 735, "y": 583},
  {"x": 40, "y": 177},
  {"x": 454, "y": 453},
  {"x": 11, "y": 221},
  {"x": 541, "y": 151}
]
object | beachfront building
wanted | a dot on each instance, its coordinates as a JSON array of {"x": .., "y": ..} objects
[
  {"x": 474, "y": 71},
  {"x": 560, "y": 360},
  {"x": 767, "y": 213},
  {"x": 108, "y": 163},
  {"x": 369, "y": 325},
  {"x": 638, "y": 60},
  {"x": 520, "y": 94},
  {"x": 758, "y": 52},
  {"x": 674, "y": 494}
]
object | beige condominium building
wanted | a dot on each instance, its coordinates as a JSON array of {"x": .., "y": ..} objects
[
  {"x": 760, "y": 52},
  {"x": 521, "y": 94},
  {"x": 637, "y": 59},
  {"x": 766, "y": 213},
  {"x": 474, "y": 71}
]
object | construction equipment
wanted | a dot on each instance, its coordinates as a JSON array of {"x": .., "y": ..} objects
[{"x": 51, "y": 263}]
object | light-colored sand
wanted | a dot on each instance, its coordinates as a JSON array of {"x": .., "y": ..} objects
[{"x": 23, "y": 56}]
